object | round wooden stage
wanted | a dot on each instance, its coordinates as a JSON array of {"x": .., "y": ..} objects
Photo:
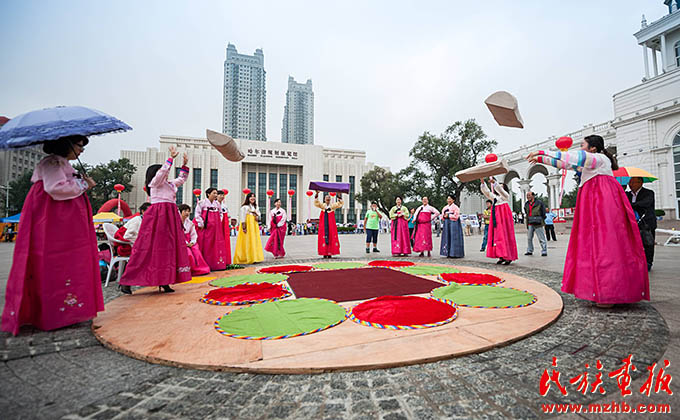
[{"x": 179, "y": 330}]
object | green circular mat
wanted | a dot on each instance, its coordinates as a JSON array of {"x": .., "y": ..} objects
[
  {"x": 281, "y": 319},
  {"x": 248, "y": 278},
  {"x": 485, "y": 296},
  {"x": 428, "y": 270},
  {"x": 339, "y": 265}
]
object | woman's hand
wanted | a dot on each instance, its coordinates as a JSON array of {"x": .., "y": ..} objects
[
  {"x": 90, "y": 182},
  {"x": 173, "y": 151},
  {"x": 185, "y": 159},
  {"x": 316, "y": 195},
  {"x": 532, "y": 157}
]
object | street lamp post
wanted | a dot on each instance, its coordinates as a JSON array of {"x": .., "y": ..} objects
[{"x": 7, "y": 188}]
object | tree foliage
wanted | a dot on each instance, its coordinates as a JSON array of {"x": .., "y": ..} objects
[
  {"x": 18, "y": 191},
  {"x": 436, "y": 158},
  {"x": 569, "y": 199},
  {"x": 106, "y": 175},
  {"x": 381, "y": 186}
]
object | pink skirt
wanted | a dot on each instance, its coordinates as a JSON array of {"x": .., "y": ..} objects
[
  {"x": 422, "y": 240},
  {"x": 159, "y": 256},
  {"x": 401, "y": 242},
  {"x": 605, "y": 260},
  {"x": 198, "y": 265},
  {"x": 502, "y": 242},
  {"x": 54, "y": 280},
  {"x": 211, "y": 241},
  {"x": 275, "y": 242}
]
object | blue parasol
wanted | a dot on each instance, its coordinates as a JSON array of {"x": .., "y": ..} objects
[{"x": 53, "y": 123}]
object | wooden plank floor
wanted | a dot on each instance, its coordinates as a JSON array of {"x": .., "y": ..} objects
[{"x": 176, "y": 329}]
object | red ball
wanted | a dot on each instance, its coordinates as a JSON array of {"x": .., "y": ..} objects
[
  {"x": 309, "y": 193},
  {"x": 246, "y": 191},
  {"x": 291, "y": 192},
  {"x": 491, "y": 157},
  {"x": 197, "y": 192},
  {"x": 270, "y": 192},
  {"x": 119, "y": 187},
  {"x": 564, "y": 143}
]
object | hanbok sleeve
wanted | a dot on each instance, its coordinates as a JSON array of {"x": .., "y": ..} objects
[
  {"x": 198, "y": 218},
  {"x": 434, "y": 211},
  {"x": 486, "y": 191},
  {"x": 337, "y": 205},
  {"x": 571, "y": 160},
  {"x": 243, "y": 214},
  {"x": 132, "y": 229},
  {"x": 498, "y": 189},
  {"x": 192, "y": 233},
  {"x": 454, "y": 212},
  {"x": 318, "y": 204},
  {"x": 162, "y": 174},
  {"x": 393, "y": 213},
  {"x": 58, "y": 180},
  {"x": 182, "y": 178}
]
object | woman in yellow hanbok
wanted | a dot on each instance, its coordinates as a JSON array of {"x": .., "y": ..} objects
[{"x": 248, "y": 242}]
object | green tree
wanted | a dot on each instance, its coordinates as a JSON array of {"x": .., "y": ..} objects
[
  {"x": 106, "y": 175},
  {"x": 381, "y": 186},
  {"x": 436, "y": 159},
  {"x": 569, "y": 199},
  {"x": 18, "y": 191}
]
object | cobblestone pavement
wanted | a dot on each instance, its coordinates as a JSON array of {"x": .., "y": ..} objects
[{"x": 68, "y": 374}]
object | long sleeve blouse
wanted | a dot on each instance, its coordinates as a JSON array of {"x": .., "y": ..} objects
[
  {"x": 205, "y": 204},
  {"x": 191, "y": 230},
  {"x": 499, "y": 194},
  {"x": 426, "y": 209},
  {"x": 451, "y": 211},
  {"x": 332, "y": 206},
  {"x": 162, "y": 190},
  {"x": 60, "y": 180},
  {"x": 396, "y": 212},
  {"x": 589, "y": 164},
  {"x": 277, "y": 212},
  {"x": 248, "y": 209}
]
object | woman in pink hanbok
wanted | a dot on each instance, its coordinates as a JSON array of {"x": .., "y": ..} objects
[
  {"x": 422, "y": 233},
  {"x": 208, "y": 220},
  {"x": 54, "y": 280},
  {"x": 198, "y": 265},
  {"x": 605, "y": 260},
  {"x": 401, "y": 241},
  {"x": 277, "y": 229},
  {"x": 502, "y": 243},
  {"x": 159, "y": 257}
]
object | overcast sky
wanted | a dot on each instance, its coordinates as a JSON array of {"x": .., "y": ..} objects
[{"x": 383, "y": 71}]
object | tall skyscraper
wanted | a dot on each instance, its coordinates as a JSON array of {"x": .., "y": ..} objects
[
  {"x": 298, "y": 114},
  {"x": 244, "y": 95}
]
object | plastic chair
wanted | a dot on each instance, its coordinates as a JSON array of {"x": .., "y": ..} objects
[{"x": 110, "y": 230}]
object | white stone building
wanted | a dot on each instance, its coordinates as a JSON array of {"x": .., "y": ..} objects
[
  {"x": 298, "y": 113},
  {"x": 645, "y": 130},
  {"x": 268, "y": 166},
  {"x": 244, "y": 95}
]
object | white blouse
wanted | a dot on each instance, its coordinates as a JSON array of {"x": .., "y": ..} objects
[
  {"x": 245, "y": 210},
  {"x": 499, "y": 193}
]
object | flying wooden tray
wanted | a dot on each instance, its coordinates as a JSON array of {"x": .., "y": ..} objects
[
  {"x": 505, "y": 110},
  {"x": 226, "y": 145},
  {"x": 484, "y": 170}
]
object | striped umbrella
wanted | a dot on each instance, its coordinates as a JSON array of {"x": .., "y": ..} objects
[{"x": 623, "y": 175}]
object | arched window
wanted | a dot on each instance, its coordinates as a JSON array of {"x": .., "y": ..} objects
[{"x": 676, "y": 167}]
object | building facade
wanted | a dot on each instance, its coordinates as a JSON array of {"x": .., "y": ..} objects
[
  {"x": 298, "y": 113},
  {"x": 15, "y": 162},
  {"x": 272, "y": 166},
  {"x": 244, "y": 95},
  {"x": 645, "y": 130}
]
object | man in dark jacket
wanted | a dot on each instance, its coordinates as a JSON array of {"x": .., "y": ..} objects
[
  {"x": 535, "y": 216},
  {"x": 642, "y": 201}
]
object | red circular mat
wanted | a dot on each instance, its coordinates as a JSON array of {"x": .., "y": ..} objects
[
  {"x": 385, "y": 263},
  {"x": 471, "y": 278},
  {"x": 286, "y": 269},
  {"x": 403, "y": 312},
  {"x": 245, "y": 293}
]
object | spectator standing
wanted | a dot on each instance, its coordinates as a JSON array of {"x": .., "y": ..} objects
[
  {"x": 372, "y": 222},
  {"x": 486, "y": 216},
  {"x": 535, "y": 211},
  {"x": 550, "y": 226},
  {"x": 642, "y": 201}
]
